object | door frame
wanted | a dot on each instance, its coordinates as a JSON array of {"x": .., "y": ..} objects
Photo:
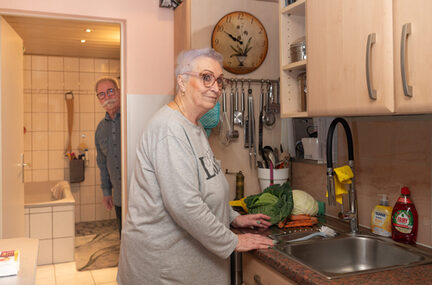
[{"x": 123, "y": 87}]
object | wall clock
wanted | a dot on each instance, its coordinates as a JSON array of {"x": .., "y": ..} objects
[{"x": 242, "y": 40}]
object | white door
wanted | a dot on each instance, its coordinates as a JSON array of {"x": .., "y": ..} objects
[{"x": 11, "y": 134}]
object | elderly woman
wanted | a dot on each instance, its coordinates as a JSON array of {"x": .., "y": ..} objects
[{"x": 177, "y": 226}]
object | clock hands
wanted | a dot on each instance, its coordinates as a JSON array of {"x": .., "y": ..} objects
[{"x": 234, "y": 38}]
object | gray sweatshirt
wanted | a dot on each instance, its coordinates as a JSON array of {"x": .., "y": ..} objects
[{"x": 177, "y": 226}]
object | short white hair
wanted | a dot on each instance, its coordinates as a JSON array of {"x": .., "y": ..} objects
[
  {"x": 186, "y": 59},
  {"x": 107, "y": 78}
]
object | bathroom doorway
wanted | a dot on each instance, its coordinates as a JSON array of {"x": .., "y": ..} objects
[{"x": 66, "y": 56}]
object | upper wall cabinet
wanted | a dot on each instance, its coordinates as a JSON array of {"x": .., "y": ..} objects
[
  {"x": 350, "y": 57},
  {"x": 363, "y": 55},
  {"x": 412, "y": 37},
  {"x": 292, "y": 24}
]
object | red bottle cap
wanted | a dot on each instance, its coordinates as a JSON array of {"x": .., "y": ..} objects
[{"x": 405, "y": 191}]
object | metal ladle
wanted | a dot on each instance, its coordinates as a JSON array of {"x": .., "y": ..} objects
[{"x": 269, "y": 116}]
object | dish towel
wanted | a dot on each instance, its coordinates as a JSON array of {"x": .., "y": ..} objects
[{"x": 343, "y": 176}]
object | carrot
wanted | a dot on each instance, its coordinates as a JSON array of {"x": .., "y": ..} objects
[
  {"x": 300, "y": 223},
  {"x": 299, "y": 217}
]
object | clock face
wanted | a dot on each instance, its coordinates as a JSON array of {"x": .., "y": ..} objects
[{"x": 242, "y": 41}]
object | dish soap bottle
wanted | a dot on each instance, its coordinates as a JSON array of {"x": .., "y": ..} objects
[
  {"x": 381, "y": 218},
  {"x": 404, "y": 219}
]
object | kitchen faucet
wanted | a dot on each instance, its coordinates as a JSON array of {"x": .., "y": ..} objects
[{"x": 351, "y": 215}]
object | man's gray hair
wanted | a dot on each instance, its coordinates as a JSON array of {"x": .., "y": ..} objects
[
  {"x": 107, "y": 78},
  {"x": 186, "y": 59}
]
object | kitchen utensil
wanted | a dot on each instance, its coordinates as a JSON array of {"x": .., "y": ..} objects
[
  {"x": 237, "y": 115},
  {"x": 260, "y": 127},
  {"x": 246, "y": 125},
  {"x": 251, "y": 128},
  {"x": 269, "y": 117},
  {"x": 268, "y": 152},
  {"x": 323, "y": 232},
  {"x": 233, "y": 134},
  {"x": 225, "y": 131}
]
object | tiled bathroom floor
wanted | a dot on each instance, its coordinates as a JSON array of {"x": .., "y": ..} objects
[{"x": 66, "y": 274}]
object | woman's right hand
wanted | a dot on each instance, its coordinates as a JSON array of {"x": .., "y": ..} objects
[{"x": 248, "y": 242}]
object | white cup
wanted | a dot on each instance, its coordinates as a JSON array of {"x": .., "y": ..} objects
[{"x": 280, "y": 176}]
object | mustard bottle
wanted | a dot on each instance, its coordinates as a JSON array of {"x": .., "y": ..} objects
[{"x": 381, "y": 217}]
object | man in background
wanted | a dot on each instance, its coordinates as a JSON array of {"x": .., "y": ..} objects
[{"x": 108, "y": 145}]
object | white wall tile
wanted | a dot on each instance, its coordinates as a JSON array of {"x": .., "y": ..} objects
[
  {"x": 40, "y": 159},
  {"x": 87, "y": 194},
  {"x": 39, "y": 122},
  {"x": 39, "y": 62},
  {"x": 88, "y": 213},
  {"x": 39, "y": 175},
  {"x": 89, "y": 177},
  {"x": 45, "y": 275},
  {"x": 63, "y": 224},
  {"x": 77, "y": 213},
  {"x": 102, "y": 213},
  {"x": 39, "y": 141},
  {"x": 28, "y": 175},
  {"x": 39, "y": 80},
  {"x": 27, "y": 79},
  {"x": 55, "y": 63},
  {"x": 114, "y": 66},
  {"x": 63, "y": 249},
  {"x": 86, "y": 64},
  {"x": 56, "y": 174},
  {"x": 28, "y": 158},
  {"x": 27, "y": 62},
  {"x": 56, "y": 103},
  {"x": 71, "y": 64},
  {"x": 87, "y": 122},
  {"x": 101, "y": 65},
  {"x": 39, "y": 102},
  {"x": 27, "y": 122},
  {"x": 57, "y": 122},
  {"x": 41, "y": 225},
  {"x": 87, "y": 81},
  {"x": 45, "y": 252},
  {"x": 56, "y": 141},
  {"x": 56, "y": 159},
  {"x": 71, "y": 81},
  {"x": 27, "y": 102},
  {"x": 87, "y": 103},
  {"x": 55, "y": 80}
]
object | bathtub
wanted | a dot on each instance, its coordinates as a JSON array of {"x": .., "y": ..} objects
[{"x": 52, "y": 221}]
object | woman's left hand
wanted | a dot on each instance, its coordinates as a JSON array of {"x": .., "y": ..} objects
[{"x": 252, "y": 220}]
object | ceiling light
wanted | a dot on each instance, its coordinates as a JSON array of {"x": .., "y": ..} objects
[
  {"x": 89, "y": 30},
  {"x": 83, "y": 41}
]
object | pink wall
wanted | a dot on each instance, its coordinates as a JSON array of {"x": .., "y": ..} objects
[{"x": 148, "y": 39}]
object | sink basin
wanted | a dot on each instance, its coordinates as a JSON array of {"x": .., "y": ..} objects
[{"x": 352, "y": 254}]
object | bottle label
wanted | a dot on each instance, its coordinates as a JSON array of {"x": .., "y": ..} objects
[
  {"x": 404, "y": 200},
  {"x": 403, "y": 221}
]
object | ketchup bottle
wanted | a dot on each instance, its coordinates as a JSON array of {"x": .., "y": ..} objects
[{"x": 404, "y": 219}]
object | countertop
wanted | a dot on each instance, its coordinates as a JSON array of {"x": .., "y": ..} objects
[
  {"x": 303, "y": 275},
  {"x": 28, "y": 248}
]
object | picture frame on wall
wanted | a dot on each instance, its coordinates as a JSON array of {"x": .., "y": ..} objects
[{"x": 169, "y": 3}]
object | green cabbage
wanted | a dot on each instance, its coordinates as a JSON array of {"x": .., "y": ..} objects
[
  {"x": 304, "y": 204},
  {"x": 276, "y": 201}
]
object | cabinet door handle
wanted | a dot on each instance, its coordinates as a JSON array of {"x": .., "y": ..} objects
[
  {"x": 406, "y": 30},
  {"x": 257, "y": 279},
  {"x": 372, "y": 92}
]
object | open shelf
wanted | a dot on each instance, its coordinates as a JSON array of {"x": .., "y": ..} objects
[
  {"x": 297, "y": 8},
  {"x": 295, "y": 65}
]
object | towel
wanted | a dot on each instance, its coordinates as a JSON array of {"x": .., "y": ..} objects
[
  {"x": 343, "y": 176},
  {"x": 57, "y": 190}
]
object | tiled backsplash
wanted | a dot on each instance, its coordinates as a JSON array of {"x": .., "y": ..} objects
[
  {"x": 46, "y": 79},
  {"x": 389, "y": 152}
]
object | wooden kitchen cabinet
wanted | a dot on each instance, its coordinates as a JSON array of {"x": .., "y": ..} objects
[
  {"x": 256, "y": 272},
  {"x": 291, "y": 27},
  {"x": 338, "y": 33},
  {"x": 337, "y": 43},
  {"x": 418, "y": 62}
]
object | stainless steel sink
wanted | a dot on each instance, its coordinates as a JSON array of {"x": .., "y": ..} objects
[{"x": 347, "y": 255}]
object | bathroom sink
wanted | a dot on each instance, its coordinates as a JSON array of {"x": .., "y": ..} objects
[{"x": 347, "y": 255}]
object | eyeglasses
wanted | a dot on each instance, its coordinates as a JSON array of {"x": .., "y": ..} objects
[
  {"x": 109, "y": 92},
  {"x": 208, "y": 78}
]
